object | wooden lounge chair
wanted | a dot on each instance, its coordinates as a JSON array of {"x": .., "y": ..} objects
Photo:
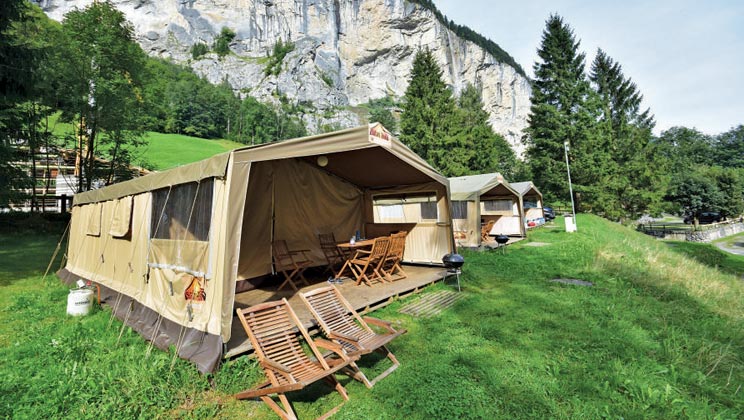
[
  {"x": 332, "y": 254},
  {"x": 290, "y": 263},
  {"x": 391, "y": 263},
  {"x": 344, "y": 326},
  {"x": 365, "y": 262},
  {"x": 486, "y": 229},
  {"x": 271, "y": 327}
]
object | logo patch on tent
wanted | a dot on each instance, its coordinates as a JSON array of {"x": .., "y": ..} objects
[
  {"x": 195, "y": 292},
  {"x": 379, "y": 135}
]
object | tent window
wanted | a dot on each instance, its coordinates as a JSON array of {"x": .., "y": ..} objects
[
  {"x": 122, "y": 219},
  {"x": 93, "y": 214},
  {"x": 429, "y": 210},
  {"x": 460, "y": 210},
  {"x": 498, "y": 205},
  {"x": 394, "y": 211},
  {"x": 182, "y": 212}
]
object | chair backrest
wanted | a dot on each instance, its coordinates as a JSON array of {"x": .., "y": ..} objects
[
  {"x": 271, "y": 328},
  {"x": 328, "y": 246},
  {"x": 397, "y": 245},
  {"x": 380, "y": 248},
  {"x": 487, "y": 228},
  {"x": 282, "y": 257},
  {"x": 334, "y": 313}
]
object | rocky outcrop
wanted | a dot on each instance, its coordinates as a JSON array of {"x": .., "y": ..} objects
[{"x": 346, "y": 52}]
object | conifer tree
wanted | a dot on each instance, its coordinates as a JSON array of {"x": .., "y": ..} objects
[
  {"x": 428, "y": 109},
  {"x": 636, "y": 184},
  {"x": 561, "y": 112},
  {"x": 486, "y": 150}
]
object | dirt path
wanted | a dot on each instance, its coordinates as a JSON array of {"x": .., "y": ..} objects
[{"x": 737, "y": 249}]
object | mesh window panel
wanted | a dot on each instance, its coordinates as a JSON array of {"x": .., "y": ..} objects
[
  {"x": 460, "y": 210},
  {"x": 429, "y": 210},
  {"x": 497, "y": 205},
  {"x": 183, "y": 212}
]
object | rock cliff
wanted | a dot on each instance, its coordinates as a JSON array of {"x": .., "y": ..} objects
[{"x": 346, "y": 52}]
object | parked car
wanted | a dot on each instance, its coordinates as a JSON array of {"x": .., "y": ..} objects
[
  {"x": 704, "y": 218},
  {"x": 549, "y": 213}
]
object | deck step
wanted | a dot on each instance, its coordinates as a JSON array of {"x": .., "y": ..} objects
[{"x": 431, "y": 304}]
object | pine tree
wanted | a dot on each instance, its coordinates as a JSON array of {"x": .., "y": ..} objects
[
  {"x": 428, "y": 109},
  {"x": 636, "y": 184},
  {"x": 560, "y": 112},
  {"x": 487, "y": 151}
]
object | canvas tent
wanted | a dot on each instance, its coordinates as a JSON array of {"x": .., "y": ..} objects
[
  {"x": 477, "y": 199},
  {"x": 170, "y": 248},
  {"x": 532, "y": 203}
]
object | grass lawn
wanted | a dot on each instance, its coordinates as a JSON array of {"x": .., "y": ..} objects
[
  {"x": 164, "y": 151},
  {"x": 660, "y": 335}
]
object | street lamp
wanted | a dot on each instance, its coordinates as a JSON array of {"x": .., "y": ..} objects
[{"x": 572, "y": 226}]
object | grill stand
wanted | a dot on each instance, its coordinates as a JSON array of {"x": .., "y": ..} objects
[{"x": 453, "y": 272}]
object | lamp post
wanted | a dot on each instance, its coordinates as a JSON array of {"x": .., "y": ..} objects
[{"x": 570, "y": 189}]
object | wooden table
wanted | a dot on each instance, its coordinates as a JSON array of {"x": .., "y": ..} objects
[{"x": 347, "y": 249}]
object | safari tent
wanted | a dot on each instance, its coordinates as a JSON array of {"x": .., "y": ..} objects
[
  {"x": 532, "y": 203},
  {"x": 170, "y": 249},
  {"x": 480, "y": 199}
]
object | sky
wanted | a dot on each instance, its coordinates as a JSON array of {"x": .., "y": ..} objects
[{"x": 686, "y": 57}]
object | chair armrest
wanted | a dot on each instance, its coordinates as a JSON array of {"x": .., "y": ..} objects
[
  {"x": 344, "y": 337},
  {"x": 328, "y": 345},
  {"x": 275, "y": 365},
  {"x": 380, "y": 323}
]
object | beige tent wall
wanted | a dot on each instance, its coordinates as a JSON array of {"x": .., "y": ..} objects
[
  {"x": 428, "y": 241},
  {"x": 305, "y": 200},
  {"x": 467, "y": 231},
  {"x": 508, "y": 222},
  {"x": 121, "y": 263},
  {"x": 113, "y": 261}
]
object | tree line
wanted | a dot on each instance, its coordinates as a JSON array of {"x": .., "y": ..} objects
[
  {"x": 596, "y": 120},
  {"x": 619, "y": 168},
  {"x": 89, "y": 71}
]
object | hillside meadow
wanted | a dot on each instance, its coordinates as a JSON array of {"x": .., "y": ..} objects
[{"x": 659, "y": 335}]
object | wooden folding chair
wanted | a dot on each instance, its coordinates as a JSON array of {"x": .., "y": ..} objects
[
  {"x": 290, "y": 263},
  {"x": 332, "y": 254},
  {"x": 391, "y": 263},
  {"x": 271, "y": 327},
  {"x": 486, "y": 229},
  {"x": 343, "y": 325},
  {"x": 370, "y": 261}
]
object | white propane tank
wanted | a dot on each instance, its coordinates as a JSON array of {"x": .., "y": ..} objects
[{"x": 79, "y": 302}]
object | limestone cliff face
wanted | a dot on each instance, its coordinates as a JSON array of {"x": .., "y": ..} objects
[{"x": 346, "y": 52}]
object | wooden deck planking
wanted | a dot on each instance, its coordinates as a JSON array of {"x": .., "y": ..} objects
[{"x": 363, "y": 298}]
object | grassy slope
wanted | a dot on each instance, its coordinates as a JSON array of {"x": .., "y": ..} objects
[
  {"x": 170, "y": 150},
  {"x": 164, "y": 151},
  {"x": 659, "y": 336}
]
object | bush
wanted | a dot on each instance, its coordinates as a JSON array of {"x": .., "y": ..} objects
[
  {"x": 198, "y": 50},
  {"x": 281, "y": 49},
  {"x": 222, "y": 43}
]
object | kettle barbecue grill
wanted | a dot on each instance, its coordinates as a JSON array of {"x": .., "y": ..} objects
[{"x": 453, "y": 263}]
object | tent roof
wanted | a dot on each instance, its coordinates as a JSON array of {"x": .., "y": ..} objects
[
  {"x": 524, "y": 188},
  {"x": 469, "y": 187},
  {"x": 367, "y": 156}
]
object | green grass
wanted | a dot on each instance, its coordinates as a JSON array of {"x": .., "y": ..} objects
[
  {"x": 658, "y": 336},
  {"x": 164, "y": 151}
]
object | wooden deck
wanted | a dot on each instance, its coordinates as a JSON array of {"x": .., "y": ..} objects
[{"x": 363, "y": 298}]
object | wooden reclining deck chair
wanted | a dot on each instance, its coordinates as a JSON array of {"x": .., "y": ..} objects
[
  {"x": 271, "y": 327},
  {"x": 342, "y": 324},
  {"x": 291, "y": 263}
]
